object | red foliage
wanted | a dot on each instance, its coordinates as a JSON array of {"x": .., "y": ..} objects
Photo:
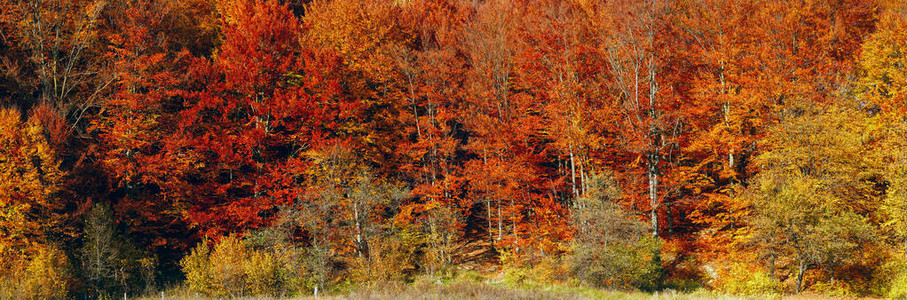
[{"x": 250, "y": 111}]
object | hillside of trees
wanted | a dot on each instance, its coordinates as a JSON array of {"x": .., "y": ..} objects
[{"x": 276, "y": 147}]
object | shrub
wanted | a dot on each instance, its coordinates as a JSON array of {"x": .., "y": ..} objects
[
  {"x": 262, "y": 272},
  {"x": 741, "y": 279},
  {"x": 232, "y": 268},
  {"x": 227, "y": 261},
  {"x": 620, "y": 265},
  {"x": 196, "y": 267},
  {"x": 218, "y": 271},
  {"x": 390, "y": 258},
  {"x": 542, "y": 270},
  {"x": 899, "y": 286},
  {"x": 386, "y": 261},
  {"x": 42, "y": 275},
  {"x": 47, "y": 275},
  {"x": 612, "y": 249},
  {"x": 294, "y": 277},
  {"x": 549, "y": 269}
]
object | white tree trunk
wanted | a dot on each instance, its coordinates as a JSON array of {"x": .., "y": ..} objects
[{"x": 653, "y": 196}]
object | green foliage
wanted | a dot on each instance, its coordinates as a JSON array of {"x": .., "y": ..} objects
[
  {"x": 626, "y": 265},
  {"x": 637, "y": 265},
  {"x": 612, "y": 249},
  {"x": 684, "y": 284}
]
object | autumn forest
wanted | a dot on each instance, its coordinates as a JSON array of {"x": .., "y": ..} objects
[{"x": 282, "y": 147}]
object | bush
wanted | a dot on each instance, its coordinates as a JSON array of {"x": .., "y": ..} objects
[
  {"x": 218, "y": 271},
  {"x": 41, "y": 275},
  {"x": 232, "y": 268},
  {"x": 542, "y": 270},
  {"x": 612, "y": 249},
  {"x": 899, "y": 286},
  {"x": 743, "y": 280},
  {"x": 48, "y": 274},
  {"x": 262, "y": 272},
  {"x": 392, "y": 257},
  {"x": 227, "y": 260},
  {"x": 635, "y": 265},
  {"x": 549, "y": 269},
  {"x": 196, "y": 267}
]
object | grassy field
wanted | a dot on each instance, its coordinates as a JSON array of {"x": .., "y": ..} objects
[
  {"x": 464, "y": 289},
  {"x": 479, "y": 290}
]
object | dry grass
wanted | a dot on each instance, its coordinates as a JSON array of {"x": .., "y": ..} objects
[
  {"x": 455, "y": 290},
  {"x": 464, "y": 289}
]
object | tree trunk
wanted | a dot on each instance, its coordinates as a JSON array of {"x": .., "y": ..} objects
[
  {"x": 500, "y": 222},
  {"x": 359, "y": 248},
  {"x": 582, "y": 177},
  {"x": 771, "y": 266},
  {"x": 488, "y": 205},
  {"x": 490, "y": 224},
  {"x": 800, "y": 271},
  {"x": 652, "y": 173},
  {"x": 573, "y": 173},
  {"x": 668, "y": 222}
]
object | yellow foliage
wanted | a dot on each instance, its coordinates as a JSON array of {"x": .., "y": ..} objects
[
  {"x": 895, "y": 204},
  {"x": 811, "y": 206},
  {"x": 363, "y": 31},
  {"x": 227, "y": 261},
  {"x": 30, "y": 177},
  {"x": 898, "y": 288},
  {"x": 46, "y": 275},
  {"x": 262, "y": 273},
  {"x": 390, "y": 258},
  {"x": 42, "y": 275},
  {"x": 195, "y": 267},
  {"x": 744, "y": 279},
  {"x": 218, "y": 271},
  {"x": 232, "y": 268},
  {"x": 883, "y": 81},
  {"x": 550, "y": 269}
]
